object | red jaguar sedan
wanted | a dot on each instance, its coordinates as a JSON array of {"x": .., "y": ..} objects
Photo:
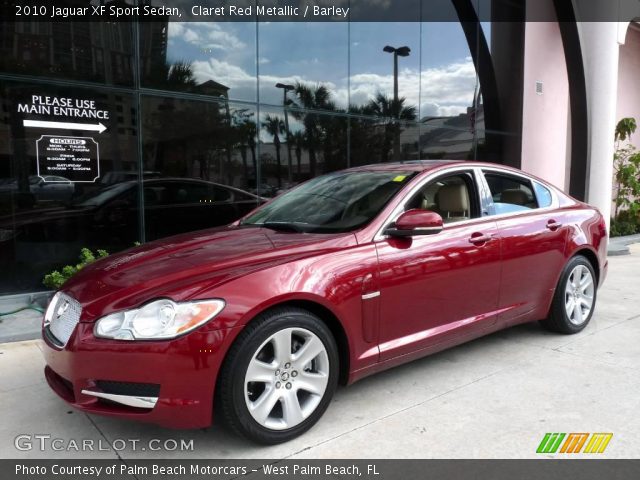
[{"x": 346, "y": 275}]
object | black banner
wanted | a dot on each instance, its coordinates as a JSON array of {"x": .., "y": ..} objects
[
  {"x": 318, "y": 11},
  {"x": 547, "y": 469}
]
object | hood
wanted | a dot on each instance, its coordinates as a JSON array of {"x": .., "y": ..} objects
[{"x": 187, "y": 265}]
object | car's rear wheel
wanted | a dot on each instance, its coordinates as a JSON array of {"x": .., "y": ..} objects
[
  {"x": 574, "y": 299},
  {"x": 279, "y": 376}
]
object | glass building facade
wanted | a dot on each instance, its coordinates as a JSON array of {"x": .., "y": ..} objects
[{"x": 116, "y": 133}]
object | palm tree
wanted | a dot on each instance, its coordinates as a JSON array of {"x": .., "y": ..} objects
[
  {"x": 312, "y": 98},
  {"x": 392, "y": 112},
  {"x": 244, "y": 132},
  {"x": 334, "y": 141},
  {"x": 297, "y": 139},
  {"x": 274, "y": 126},
  {"x": 364, "y": 142},
  {"x": 180, "y": 73},
  {"x": 173, "y": 75},
  {"x": 383, "y": 106}
]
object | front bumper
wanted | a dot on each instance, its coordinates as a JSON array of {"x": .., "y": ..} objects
[{"x": 185, "y": 369}]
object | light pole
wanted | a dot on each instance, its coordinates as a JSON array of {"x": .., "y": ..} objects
[
  {"x": 227, "y": 170},
  {"x": 397, "y": 52},
  {"x": 286, "y": 88}
]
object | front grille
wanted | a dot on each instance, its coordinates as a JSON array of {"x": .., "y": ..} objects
[
  {"x": 61, "y": 317},
  {"x": 129, "y": 388}
]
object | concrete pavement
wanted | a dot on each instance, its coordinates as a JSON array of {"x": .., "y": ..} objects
[
  {"x": 495, "y": 397},
  {"x": 26, "y": 322},
  {"x": 620, "y": 245}
]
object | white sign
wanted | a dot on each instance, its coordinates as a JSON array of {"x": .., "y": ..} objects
[
  {"x": 65, "y": 125},
  {"x": 63, "y": 107},
  {"x": 76, "y": 159}
]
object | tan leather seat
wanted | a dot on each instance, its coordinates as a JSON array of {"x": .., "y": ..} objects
[
  {"x": 429, "y": 197},
  {"x": 514, "y": 196},
  {"x": 453, "y": 203}
]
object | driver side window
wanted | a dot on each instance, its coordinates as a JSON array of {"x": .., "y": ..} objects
[{"x": 452, "y": 197}]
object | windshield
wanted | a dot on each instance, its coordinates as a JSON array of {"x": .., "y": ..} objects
[{"x": 338, "y": 202}]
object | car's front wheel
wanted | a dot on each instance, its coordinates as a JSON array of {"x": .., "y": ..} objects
[
  {"x": 279, "y": 376},
  {"x": 574, "y": 299}
]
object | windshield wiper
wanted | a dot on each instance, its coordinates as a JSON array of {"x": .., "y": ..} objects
[{"x": 282, "y": 226}]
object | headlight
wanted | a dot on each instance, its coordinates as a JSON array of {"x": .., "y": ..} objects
[{"x": 160, "y": 319}]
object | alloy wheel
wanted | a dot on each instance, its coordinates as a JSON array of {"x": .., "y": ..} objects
[
  {"x": 286, "y": 378},
  {"x": 578, "y": 295}
]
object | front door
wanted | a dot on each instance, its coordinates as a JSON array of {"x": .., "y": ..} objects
[{"x": 434, "y": 288}]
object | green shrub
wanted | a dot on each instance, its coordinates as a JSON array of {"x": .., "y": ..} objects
[
  {"x": 56, "y": 279},
  {"x": 626, "y": 223},
  {"x": 626, "y": 166},
  {"x": 623, "y": 228}
]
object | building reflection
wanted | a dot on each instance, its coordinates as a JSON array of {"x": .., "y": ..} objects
[{"x": 187, "y": 142}]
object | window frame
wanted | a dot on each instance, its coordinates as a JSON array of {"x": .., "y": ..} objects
[
  {"x": 535, "y": 192},
  {"x": 399, "y": 209},
  {"x": 469, "y": 178},
  {"x": 487, "y": 198},
  {"x": 482, "y": 189}
]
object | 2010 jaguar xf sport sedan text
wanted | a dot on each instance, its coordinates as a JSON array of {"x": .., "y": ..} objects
[{"x": 346, "y": 275}]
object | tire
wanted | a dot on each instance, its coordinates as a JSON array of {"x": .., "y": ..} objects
[
  {"x": 268, "y": 394},
  {"x": 574, "y": 299}
]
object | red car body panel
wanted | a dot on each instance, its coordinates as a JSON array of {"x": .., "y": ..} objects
[
  {"x": 434, "y": 292},
  {"x": 422, "y": 280}
]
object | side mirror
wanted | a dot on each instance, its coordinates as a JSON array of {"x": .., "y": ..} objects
[{"x": 416, "y": 222}]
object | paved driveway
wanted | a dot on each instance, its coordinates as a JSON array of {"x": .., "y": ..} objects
[{"x": 495, "y": 397}]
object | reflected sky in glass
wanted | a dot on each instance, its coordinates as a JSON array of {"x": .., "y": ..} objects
[{"x": 438, "y": 76}]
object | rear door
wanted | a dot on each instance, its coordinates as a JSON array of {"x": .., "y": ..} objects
[{"x": 533, "y": 242}]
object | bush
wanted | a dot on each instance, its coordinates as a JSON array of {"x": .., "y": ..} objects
[
  {"x": 626, "y": 166},
  {"x": 621, "y": 228},
  {"x": 625, "y": 224},
  {"x": 56, "y": 279}
]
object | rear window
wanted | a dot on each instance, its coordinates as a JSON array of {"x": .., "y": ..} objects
[
  {"x": 510, "y": 194},
  {"x": 543, "y": 195}
]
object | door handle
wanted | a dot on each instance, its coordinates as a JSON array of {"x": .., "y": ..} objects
[
  {"x": 477, "y": 238},
  {"x": 553, "y": 225}
]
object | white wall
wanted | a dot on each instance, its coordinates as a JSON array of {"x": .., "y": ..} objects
[{"x": 629, "y": 79}]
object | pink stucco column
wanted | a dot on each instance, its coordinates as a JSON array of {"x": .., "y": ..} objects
[{"x": 545, "y": 108}]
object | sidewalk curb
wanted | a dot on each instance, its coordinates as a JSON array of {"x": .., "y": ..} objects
[{"x": 620, "y": 245}]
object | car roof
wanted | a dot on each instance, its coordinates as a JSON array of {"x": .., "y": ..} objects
[
  {"x": 409, "y": 165},
  {"x": 421, "y": 166}
]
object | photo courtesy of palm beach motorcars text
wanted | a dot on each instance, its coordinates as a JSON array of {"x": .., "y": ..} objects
[{"x": 356, "y": 239}]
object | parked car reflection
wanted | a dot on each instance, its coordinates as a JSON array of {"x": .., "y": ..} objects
[
  {"x": 47, "y": 188},
  {"x": 111, "y": 178},
  {"x": 108, "y": 217}
]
